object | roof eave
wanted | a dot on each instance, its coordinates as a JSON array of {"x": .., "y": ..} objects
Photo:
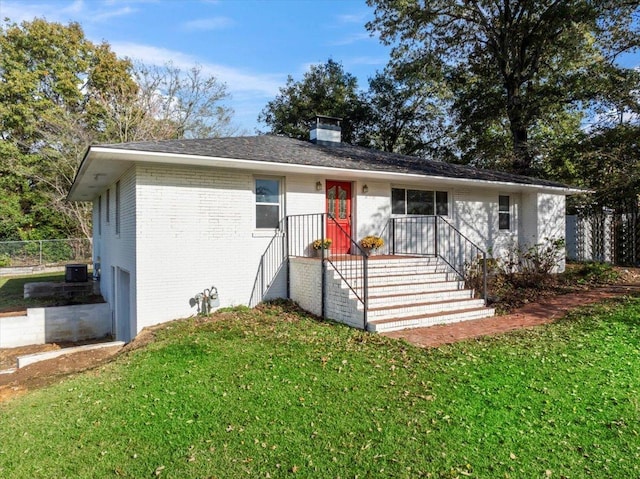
[{"x": 126, "y": 156}]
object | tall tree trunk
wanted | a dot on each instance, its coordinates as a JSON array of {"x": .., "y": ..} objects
[{"x": 519, "y": 128}]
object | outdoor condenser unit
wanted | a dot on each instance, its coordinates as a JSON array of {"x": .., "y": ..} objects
[{"x": 76, "y": 273}]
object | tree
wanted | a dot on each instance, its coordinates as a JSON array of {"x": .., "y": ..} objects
[
  {"x": 511, "y": 63},
  {"x": 166, "y": 103},
  {"x": 405, "y": 115},
  {"x": 47, "y": 72},
  {"x": 324, "y": 90},
  {"x": 59, "y": 93}
]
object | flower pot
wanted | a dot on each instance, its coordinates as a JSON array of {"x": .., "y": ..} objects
[{"x": 318, "y": 252}]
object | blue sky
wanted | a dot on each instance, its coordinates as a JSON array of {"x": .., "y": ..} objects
[{"x": 251, "y": 45}]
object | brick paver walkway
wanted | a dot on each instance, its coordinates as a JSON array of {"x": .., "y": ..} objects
[{"x": 533, "y": 314}]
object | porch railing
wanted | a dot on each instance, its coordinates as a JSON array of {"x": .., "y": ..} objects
[
  {"x": 434, "y": 236},
  {"x": 345, "y": 256},
  {"x": 272, "y": 269}
]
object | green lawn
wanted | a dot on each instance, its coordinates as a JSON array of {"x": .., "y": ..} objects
[
  {"x": 12, "y": 290},
  {"x": 279, "y": 394}
]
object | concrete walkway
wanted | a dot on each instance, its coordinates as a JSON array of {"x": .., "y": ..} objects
[{"x": 534, "y": 314}]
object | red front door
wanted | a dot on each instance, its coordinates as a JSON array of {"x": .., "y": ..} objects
[{"x": 339, "y": 206}]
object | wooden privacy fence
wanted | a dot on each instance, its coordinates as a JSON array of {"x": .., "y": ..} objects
[{"x": 605, "y": 237}]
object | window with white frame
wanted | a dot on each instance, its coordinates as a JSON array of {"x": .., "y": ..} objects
[
  {"x": 504, "y": 212},
  {"x": 268, "y": 202},
  {"x": 117, "y": 208},
  {"x": 419, "y": 202},
  {"x": 108, "y": 206}
]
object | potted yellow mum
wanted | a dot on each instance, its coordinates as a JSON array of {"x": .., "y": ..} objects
[{"x": 370, "y": 244}]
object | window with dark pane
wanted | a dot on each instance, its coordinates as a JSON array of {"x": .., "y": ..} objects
[
  {"x": 442, "y": 203},
  {"x": 118, "y": 208},
  {"x": 108, "y": 205},
  {"x": 504, "y": 214},
  {"x": 342, "y": 203},
  {"x": 419, "y": 202},
  {"x": 267, "y": 203},
  {"x": 398, "y": 201}
]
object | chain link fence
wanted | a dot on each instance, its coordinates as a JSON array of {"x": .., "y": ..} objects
[{"x": 40, "y": 253}]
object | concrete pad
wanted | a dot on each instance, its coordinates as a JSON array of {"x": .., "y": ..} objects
[{"x": 34, "y": 358}]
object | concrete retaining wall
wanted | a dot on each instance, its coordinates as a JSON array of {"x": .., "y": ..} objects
[{"x": 56, "y": 324}]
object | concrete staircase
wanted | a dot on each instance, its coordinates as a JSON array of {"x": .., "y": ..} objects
[{"x": 413, "y": 292}]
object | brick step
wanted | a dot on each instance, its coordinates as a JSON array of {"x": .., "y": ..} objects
[
  {"x": 416, "y": 287},
  {"x": 389, "y": 279},
  {"x": 424, "y": 320},
  {"x": 429, "y": 307},
  {"x": 418, "y": 297},
  {"x": 417, "y": 268},
  {"x": 396, "y": 260}
]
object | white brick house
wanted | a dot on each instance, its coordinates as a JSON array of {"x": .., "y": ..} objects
[{"x": 174, "y": 217}]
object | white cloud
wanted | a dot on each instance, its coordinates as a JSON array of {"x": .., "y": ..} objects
[
  {"x": 207, "y": 24},
  {"x": 240, "y": 83},
  {"x": 359, "y": 18},
  {"x": 63, "y": 12},
  {"x": 367, "y": 61},
  {"x": 350, "y": 39}
]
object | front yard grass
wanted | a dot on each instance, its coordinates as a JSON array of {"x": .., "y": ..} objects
[
  {"x": 12, "y": 290},
  {"x": 276, "y": 393}
]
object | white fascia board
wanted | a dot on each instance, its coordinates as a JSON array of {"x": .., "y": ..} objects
[{"x": 127, "y": 156}]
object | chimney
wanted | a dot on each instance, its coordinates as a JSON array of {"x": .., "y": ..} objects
[{"x": 326, "y": 131}]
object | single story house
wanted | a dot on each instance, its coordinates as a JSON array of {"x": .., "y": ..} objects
[{"x": 239, "y": 215}]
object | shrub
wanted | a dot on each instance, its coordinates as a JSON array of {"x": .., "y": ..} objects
[
  {"x": 533, "y": 266},
  {"x": 5, "y": 260}
]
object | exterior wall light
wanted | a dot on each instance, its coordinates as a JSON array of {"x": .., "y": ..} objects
[
  {"x": 318, "y": 186},
  {"x": 365, "y": 189}
]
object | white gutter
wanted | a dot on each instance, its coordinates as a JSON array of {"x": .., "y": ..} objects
[{"x": 117, "y": 154}]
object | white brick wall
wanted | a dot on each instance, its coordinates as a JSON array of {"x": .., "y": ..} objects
[
  {"x": 306, "y": 284},
  {"x": 185, "y": 228},
  {"x": 306, "y": 290},
  {"x": 195, "y": 230}
]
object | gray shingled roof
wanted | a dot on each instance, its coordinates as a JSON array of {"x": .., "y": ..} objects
[{"x": 280, "y": 149}]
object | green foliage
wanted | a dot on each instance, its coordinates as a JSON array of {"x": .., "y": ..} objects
[
  {"x": 405, "y": 115},
  {"x": 277, "y": 393},
  {"x": 524, "y": 273},
  {"x": 59, "y": 93},
  {"x": 324, "y": 90},
  {"x": 591, "y": 273},
  {"x": 531, "y": 265},
  {"x": 46, "y": 95},
  {"x": 513, "y": 66}
]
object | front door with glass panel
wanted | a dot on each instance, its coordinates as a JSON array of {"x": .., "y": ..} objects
[{"x": 339, "y": 206}]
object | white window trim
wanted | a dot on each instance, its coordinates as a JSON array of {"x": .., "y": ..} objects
[
  {"x": 100, "y": 215},
  {"x": 118, "y": 208},
  {"x": 513, "y": 220},
  {"x": 264, "y": 232},
  {"x": 422, "y": 188}
]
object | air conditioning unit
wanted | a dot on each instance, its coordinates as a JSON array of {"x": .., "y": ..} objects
[{"x": 76, "y": 273}]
